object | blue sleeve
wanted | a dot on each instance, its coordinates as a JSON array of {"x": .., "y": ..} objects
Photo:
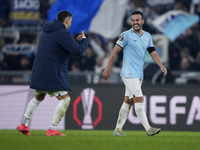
[
  {"x": 66, "y": 40},
  {"x": 150, "y": 42}
]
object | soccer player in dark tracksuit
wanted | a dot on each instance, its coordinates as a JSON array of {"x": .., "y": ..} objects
[{"x": 50, "y": 69}]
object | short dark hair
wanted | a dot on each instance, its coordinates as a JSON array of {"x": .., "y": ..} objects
[
  {"x": 62, "y": 15},
  {"x": 137, "y": 12}
]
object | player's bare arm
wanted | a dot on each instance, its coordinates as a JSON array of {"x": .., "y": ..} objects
[
  {"x": 111, "y": 59},
  {"x": 157, "y": 60}
]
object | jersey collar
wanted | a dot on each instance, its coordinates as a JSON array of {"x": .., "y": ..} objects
[{"x": 136, "y": 33}]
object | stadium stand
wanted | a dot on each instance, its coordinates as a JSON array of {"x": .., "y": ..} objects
[{"x": 18, "y": 45}]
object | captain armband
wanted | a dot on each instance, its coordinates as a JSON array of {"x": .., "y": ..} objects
[{"x": 151, "y": 49}]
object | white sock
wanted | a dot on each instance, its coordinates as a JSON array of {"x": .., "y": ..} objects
[
  {"x": 123, "y": 115},
  {"x": 31, "y": 107},
  {"x": 59, "y": 112},
  {"x": 142, "y": 116}
]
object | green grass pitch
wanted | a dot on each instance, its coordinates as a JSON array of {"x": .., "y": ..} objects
[{"x": 99, "y": 140}]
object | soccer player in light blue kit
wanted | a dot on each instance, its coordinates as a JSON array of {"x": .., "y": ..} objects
[{"x": 134, "y": 43}]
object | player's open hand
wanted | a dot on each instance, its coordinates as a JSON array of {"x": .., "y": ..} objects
[{"x": 80, "y": 37}]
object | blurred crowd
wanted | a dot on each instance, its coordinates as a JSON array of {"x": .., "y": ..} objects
[{"x": 184, "y": 52}]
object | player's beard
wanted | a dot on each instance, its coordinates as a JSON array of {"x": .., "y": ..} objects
[{"x": 138, "y": 28}]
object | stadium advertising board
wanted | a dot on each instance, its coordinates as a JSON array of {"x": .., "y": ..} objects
[
  {"x": 156, "y": 3},
  {"x": 13, "y": 102},
  {"x": 19, "y": 49},
  {"x": 96, "y": 107},
  {"x": 175, "y": 108},
  {"x": 25, "y": 11}
]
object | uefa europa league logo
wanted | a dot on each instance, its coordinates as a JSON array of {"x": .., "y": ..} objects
[
  {"x": 87, "y": 100},
  {"x": 87, "y": 97}
]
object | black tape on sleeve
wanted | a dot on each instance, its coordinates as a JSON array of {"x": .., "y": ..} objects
[{"x": 151, "y": 49}]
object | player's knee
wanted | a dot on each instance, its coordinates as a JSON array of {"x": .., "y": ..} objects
[
  {"x": 61, "y": 97},
  {"x": 66, "y": 101},
  {"x": 138, "y": 99},
  {"x": 40, "y": 97},
  {"x": 128, "y": 101}
]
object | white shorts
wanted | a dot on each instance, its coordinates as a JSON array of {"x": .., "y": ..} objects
[
  {"x": 133, "y": 87},
  {"x": 51, "y": 93}
]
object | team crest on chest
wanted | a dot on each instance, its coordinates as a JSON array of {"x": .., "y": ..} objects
[{"x": 146, "y": 40}]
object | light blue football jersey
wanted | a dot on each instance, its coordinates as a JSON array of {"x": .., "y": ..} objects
[{"x": 134, "y": 50}]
